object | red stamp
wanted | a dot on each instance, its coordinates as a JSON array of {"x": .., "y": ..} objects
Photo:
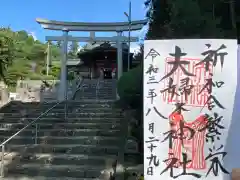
[{"x": 195, "y": 98}]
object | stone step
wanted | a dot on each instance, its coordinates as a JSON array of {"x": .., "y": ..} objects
[
  {"x": 53, "y": 120},
  {"x": 40, "y": 106},
  {"x": 62, "y": 111},
  {"x": 62, "y": 132},
  {"x": 47, "y": 170},
  {"x": 17, "y": 103},
  {"x": 17, "y": 110},
  {"x": 110, "y": 93},
  {"x": 103, "y": 91},
  {"x": 29, "y": 104},
  {"x": 31, "y": 110},
  {"x": 26, "y": 177},
  {"x": 107, "y": 96},
  {"x": 93, "y": 102},
  {"x": 68, "y": 159},
  {"x": 92, "y": 105},
  {"x": 106, "y": 91},
  {"x": 68, "y": 125},
  {"x": 96, "y": 101},
  {"x": 88, "y": 115},
  {"x": 93, "y": 90},
  {"x": 84, "y": 109},
  {"x": 68, "y": 149},
  {"x": 94, "y": 97},
  {"x": 78, "y": 140},
  {"x": 57, "y": 108},
  {"x": 88, "y": 103},
  {"x": 70, "y": 115},
  {"x": 71, "y": 159}
]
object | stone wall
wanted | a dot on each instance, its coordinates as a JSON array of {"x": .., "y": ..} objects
[
  {"x": 32, "y": 91},
  {"x": 27, "y": 91},
  {"x": 4, "y": 96}
]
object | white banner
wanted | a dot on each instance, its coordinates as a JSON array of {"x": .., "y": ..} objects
[{"x": 189, "y": 94}]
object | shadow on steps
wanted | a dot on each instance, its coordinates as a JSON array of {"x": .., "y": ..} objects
[{"x": 63, "y": 151}]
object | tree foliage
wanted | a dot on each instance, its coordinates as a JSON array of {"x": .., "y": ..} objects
[
  {"x": 129, "y": 88},
  {"x": 130, "y": 91},
  {"x": 73, "y": 49},
  {"x": 22, "y": 57},
  {"x": 191, "y": 19},
  {"x": 7, "y": 46}
]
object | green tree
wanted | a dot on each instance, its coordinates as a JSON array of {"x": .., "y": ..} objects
[
  {"x": 22, "y": 35},
  {"x": 199, "y": 19},
  {"x": 130, "y": 91},
  {"x": 55, "y": 71},
  {"x": 73, "y": 48},
  {"x": 30, "y": 41},
  {"x": 55, "y": 53},
  {"x": 59, "y": 44},
  {"x": 18, "y": 70},
  {"x": 18, "y": 51},
  {"x": 7, "y": 49}
]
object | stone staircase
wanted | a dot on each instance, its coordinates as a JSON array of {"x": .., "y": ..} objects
[
  {"x": 82, "y": 146},
  {"x": 98, "y": 89},
  {"x": 88, "y": 89},
  {"x": 107, "y": 89}
]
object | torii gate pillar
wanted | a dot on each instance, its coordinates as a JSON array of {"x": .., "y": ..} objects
[
  {"x": 62, "y": 93},
  {"x": 119, "y": 56}
]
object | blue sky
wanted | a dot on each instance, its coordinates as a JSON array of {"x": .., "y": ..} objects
[{"x": 21, "y": 14}]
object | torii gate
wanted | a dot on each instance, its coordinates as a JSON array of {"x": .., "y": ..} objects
[{"x": 66, "y": 27}]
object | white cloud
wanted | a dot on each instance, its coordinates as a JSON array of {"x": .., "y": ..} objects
[{"x": 33, "y": 34}]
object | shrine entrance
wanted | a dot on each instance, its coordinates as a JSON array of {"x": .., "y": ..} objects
[
  {"x": 66, "y": 27},
  {"x": 108, "y": 73}
]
